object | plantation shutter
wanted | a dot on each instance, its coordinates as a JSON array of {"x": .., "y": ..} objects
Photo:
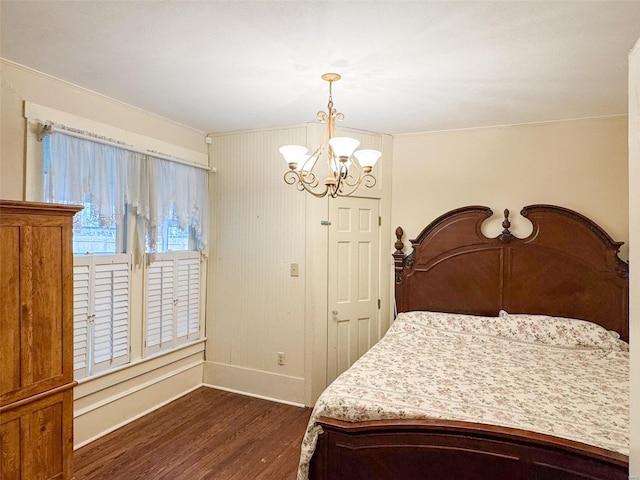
[
  {"x": 101, "y": 285},
  {"x": 111, "y": 312},
  {"x": 81, "y": 309},
  {"x": 160, "y": 305},
  {"x": 188, "y": 296},
  {"x": 172, "y": 300}
]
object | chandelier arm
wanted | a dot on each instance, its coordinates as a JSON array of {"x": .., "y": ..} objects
[
  {"x": 317, "y": 194},
  {"x": 308, "y": 178},
  {"x": 355, "y": 176},
  {"x": 340, "y": 177},
  {"x": 330, "y": 133},
  {"x": 367, "y": 180},
  {"x": 354, "y": 181},
  {"x": 311, "y": 182},
  {"x": 353, "y": 186},
  {"x": 292, "y": 177},
  {"x": 345, "y": 192}
]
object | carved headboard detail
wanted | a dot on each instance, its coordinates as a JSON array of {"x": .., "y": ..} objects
[{"x": 568, "y": 267}]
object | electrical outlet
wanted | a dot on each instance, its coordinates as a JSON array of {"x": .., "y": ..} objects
[
  {"x": 294, "y": 269},
  {"x": 280, "y": 358}
]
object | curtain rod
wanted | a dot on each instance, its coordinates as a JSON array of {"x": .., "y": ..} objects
[{"x": 47, "y": 128}]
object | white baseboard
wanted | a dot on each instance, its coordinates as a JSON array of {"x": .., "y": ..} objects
[
  {"x": 255, "y": 383},
  {"x": 136, "y": 388},
  {"x": 254, "y": 395},
  {"x": 125, "y": 402},
  {"x": 141, "y": 414},
  {"x": 123, "y": 407}
]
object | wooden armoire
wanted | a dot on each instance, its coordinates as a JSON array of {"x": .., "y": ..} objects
[{"x": 36, "y": 341}]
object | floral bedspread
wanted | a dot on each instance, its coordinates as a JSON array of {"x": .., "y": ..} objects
[{"x": 562, "y": 377}]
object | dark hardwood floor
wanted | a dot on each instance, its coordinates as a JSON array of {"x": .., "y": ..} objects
[{"x": 207, "y": 434}]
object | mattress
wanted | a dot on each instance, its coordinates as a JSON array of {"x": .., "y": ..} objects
[{"x": 563, "y": 377}]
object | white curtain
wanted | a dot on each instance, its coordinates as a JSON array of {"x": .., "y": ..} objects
[
  {"x": 78, "y": 167},
  {"x": 155, "y": 189},
  {"x": 181, "y": 191}
]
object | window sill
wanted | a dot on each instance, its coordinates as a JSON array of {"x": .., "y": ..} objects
[{"x": 95, "y": 383}]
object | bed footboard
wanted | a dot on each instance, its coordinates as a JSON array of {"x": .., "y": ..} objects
[{"x": 450, "y": 450}]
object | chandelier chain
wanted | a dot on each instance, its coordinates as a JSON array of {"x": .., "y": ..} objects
[{"x": 330, "y": 104}]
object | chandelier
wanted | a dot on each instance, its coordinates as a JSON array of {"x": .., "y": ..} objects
[{"x": 346, "y": 168}]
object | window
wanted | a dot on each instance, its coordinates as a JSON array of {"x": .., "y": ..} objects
[
  {"x": 172, "y": 289},
  {"x": 173, "y": 300},
  {"x": 171, "y": 237},
  {"x": 121, "y": 190},
  {"x": 101, "y": 285},
  {"x": 90, "y": 234}
]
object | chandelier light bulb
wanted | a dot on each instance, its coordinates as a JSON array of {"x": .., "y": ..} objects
[
  {"x": 343, "y": 147},
  {"x": 367, "y": 158},
  {"x": 293, "y": 154}
]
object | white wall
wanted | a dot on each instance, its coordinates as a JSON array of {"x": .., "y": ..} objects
[
  {"x": 255, "y": 308},
  {"x": 579, "y": 164},
  {"x": 634, "y": 253},
  {"x": 109, "y": 400}
]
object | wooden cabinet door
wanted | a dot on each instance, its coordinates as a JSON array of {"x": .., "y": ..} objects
[
  {"x": 9, "y": 309},
  {"x": 36, "y": 438},
  {"x": 37, "y": 316}
]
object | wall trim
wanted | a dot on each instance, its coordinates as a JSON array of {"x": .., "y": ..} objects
[
  {"x": 96, "y": 383},
  {"x": 97, "y": 94},
  {"x": 254, "y": 395},
  {"x": 257, "y": 383},
  {"x": 135, "y": 417},
  {"x": 508, "y": 125},
  {"x": 36, "y": 113},
  {"x": 137, "y": 388},
  {"x": 287, "y": 127}
]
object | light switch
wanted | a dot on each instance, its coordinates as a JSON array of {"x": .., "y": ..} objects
[{"x": 294, "y": 269}]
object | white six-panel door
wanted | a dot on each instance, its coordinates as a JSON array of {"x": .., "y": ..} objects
[{"x": 353, "y": 281}]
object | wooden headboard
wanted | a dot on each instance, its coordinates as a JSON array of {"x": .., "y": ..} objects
[{"x": 567, "y": 267}]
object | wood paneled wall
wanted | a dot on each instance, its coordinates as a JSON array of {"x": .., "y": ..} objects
[
  {"x": 255, "y": 308},
  {"x": 260, "y": 226}
]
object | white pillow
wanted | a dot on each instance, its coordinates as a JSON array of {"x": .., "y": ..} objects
[
  {"x": 559, "y": 331},
  {"x": 541, "y": 329}
]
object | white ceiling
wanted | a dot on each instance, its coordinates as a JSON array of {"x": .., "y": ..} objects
[{"x": 406, "y": 66}]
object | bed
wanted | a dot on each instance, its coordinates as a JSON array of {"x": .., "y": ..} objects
[{"x": 502, "y": 320}]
